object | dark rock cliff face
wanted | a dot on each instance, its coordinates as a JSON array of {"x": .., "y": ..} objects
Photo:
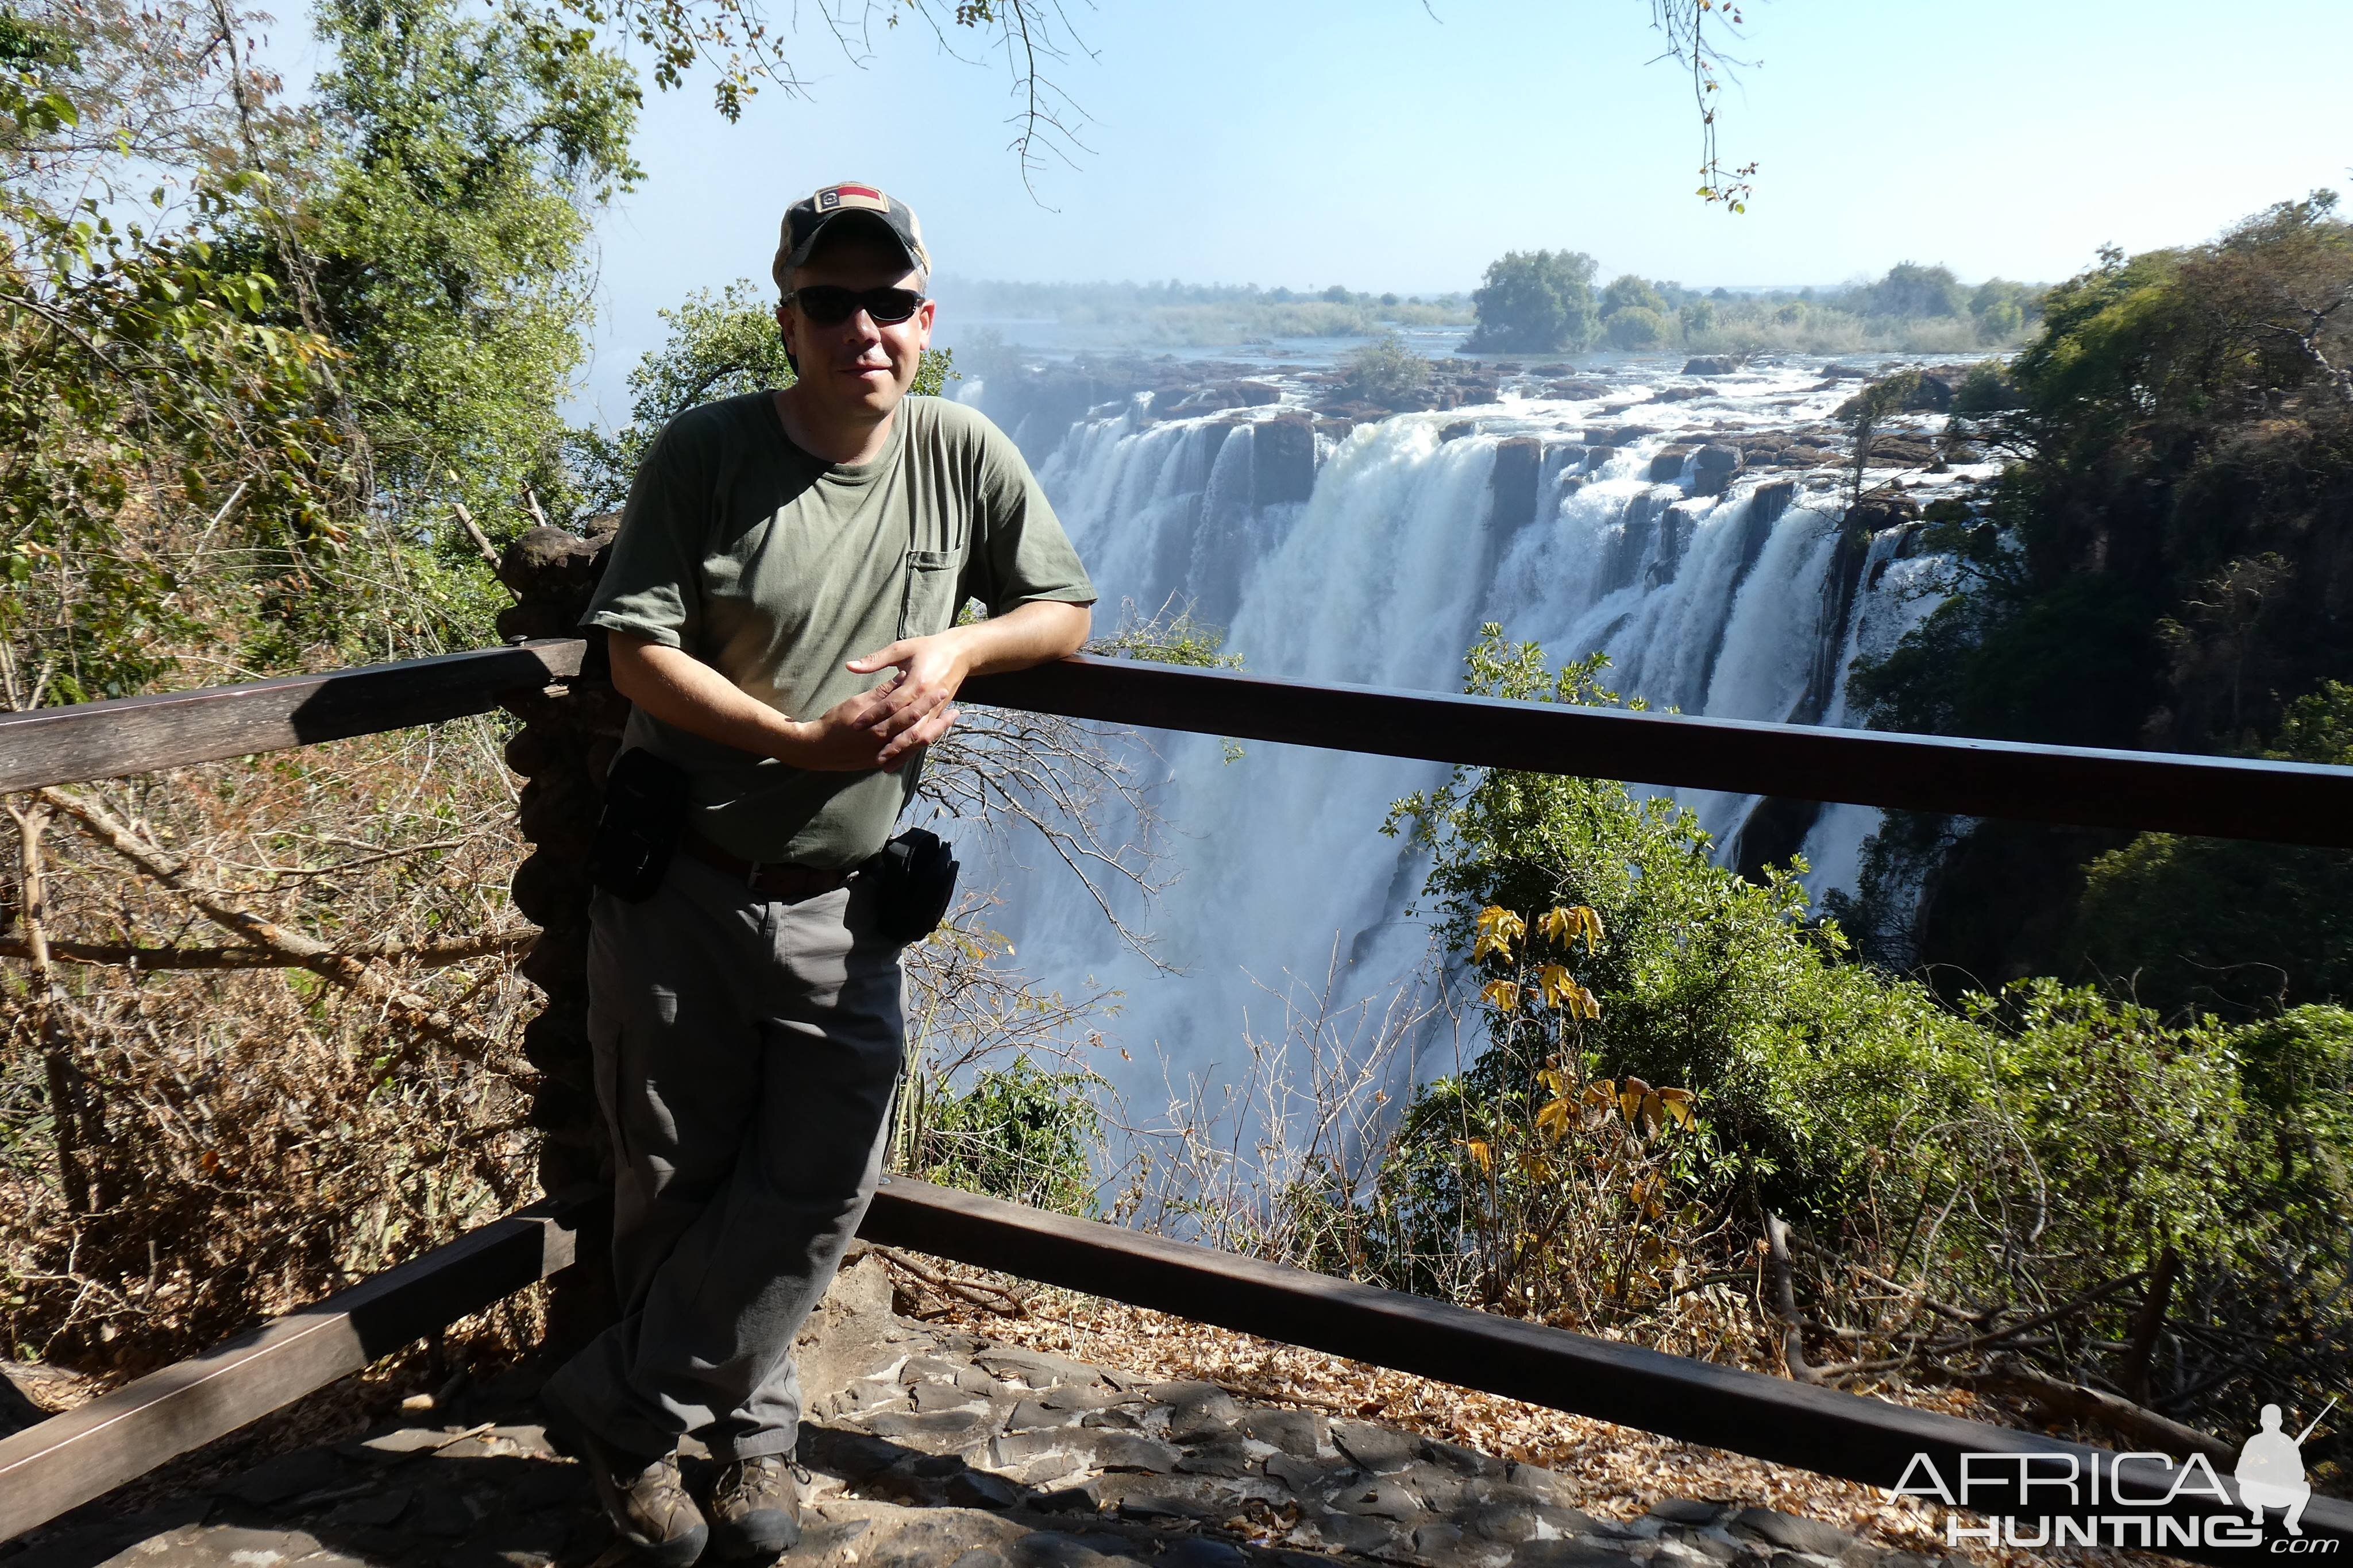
[
  {"x": 1777, "y": 829},
  {"x": 1282, "y": 460}
]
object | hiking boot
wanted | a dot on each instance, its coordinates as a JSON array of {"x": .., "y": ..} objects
[
  {"x": 645, "y": 1498},
  {"x": 649, "y": 1505},
  {"x": 756, "y": 1507}
]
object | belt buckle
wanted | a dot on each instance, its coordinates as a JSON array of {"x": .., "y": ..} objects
[{"x": 751, "y": 876}]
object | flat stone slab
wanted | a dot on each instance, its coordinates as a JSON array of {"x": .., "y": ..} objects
[{"x": 935, "y": 1450}]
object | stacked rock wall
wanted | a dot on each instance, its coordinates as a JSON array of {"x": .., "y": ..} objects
[{"x": 568, "y": 740}]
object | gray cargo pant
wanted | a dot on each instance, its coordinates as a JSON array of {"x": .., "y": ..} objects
[{"x": 745, "y": 1052}]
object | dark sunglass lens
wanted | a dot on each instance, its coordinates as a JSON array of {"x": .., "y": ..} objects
[
  {"x": 826, "y": 305},
  {"x": 829, "y": 306},
  {"x": 891, "y": 306}
]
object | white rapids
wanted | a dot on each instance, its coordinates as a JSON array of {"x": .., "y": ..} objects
[{"x": 1741, "y": 605}]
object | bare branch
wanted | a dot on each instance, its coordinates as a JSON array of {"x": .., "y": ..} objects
[
  {"x": 436, "y": 954},
  {"x": 361, "y": 976}
]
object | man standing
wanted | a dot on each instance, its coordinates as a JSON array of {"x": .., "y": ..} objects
[{"x": 781, "y": 609}]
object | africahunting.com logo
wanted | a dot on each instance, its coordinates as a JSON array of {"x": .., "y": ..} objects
[{"x": 2108, "y": 1504}]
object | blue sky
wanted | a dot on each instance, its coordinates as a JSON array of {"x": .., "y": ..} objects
[{"x": 1376, "y": 145}]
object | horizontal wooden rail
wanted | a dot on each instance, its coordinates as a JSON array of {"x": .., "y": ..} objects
[
  {"x": 1844, "y": 1434},
  {"x": 140, "y": 734},
  {"x": 68, "y": 1459},
  {"x": 2219, "y": 797},
  {"x": 78, "y": 1456},
  {"x": 2222, "y": 797}
]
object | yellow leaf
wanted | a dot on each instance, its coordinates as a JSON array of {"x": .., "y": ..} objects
[
  {"x": 1601, "y": 1092},
  {"x": 1503, "y": 993},
  {"x": 1481, "y": 1152},
  {"x": 1559, "y": 987},
  {"x": 1498, "y": 929},
  {"x": 1565, "y": 925},
  {"x": 1553, "y": 1116}
]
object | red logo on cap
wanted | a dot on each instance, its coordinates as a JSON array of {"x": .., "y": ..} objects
[{"x": 868, "y": 192}]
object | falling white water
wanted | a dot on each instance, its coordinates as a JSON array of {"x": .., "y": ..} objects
[{"x": 1729, "y": 605}]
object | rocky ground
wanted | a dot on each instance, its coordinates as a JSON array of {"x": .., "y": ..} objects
[{"x": 933, "y": 1446}]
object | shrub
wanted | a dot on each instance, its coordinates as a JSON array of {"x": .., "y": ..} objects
[
  {"x": 1636, "y": 327},
  {"x": 1802, "y": 1064},
  {"x": 1986, "y": 389},
  {"x": 1385, "y": 372},
  {"x": 1017, "y": 1133}
]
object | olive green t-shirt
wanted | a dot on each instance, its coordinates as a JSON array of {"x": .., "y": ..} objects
[{"x": 775, "y": 567}]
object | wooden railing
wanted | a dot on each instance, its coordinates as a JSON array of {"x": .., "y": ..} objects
[
  {"x": 80, "y": 1455},
  {"x": 2219, "y": 797}
]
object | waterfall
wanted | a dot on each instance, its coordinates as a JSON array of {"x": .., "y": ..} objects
[{"x": 1372, "y": 554}]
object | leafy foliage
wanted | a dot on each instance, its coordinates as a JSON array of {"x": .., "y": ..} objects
[
  {"x": 146, "y": 388},
  {"x": 1538, "y": 302},
  {"x": 438, "y": 232},
  {"x": 2162, "y": 568},
  {"x": 1385, "y": 372},
  {"x": 1802, "y": 1063},
  {"x": 2036, "y": 1145},
  {"x": 1629, "y": 292},
  {"x": 1019, "y": 1133},
  {"x": 1637, "y": 327},
  {"x": 1911, "y": 289}
]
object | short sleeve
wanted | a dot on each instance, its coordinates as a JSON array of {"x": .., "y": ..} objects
[
  {"x": 652, "y": 583},
  {"x": 1020, "y": 554}
]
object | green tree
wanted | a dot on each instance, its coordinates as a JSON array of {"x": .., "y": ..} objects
[
  {"x": 1630, "y": 292},
  {"x": 2152, "y": 572},
  {"x": 1020, "y": 1132},
  {"x": 1868, "y": 409},
  {"x": 718, "y": 345},
  {"x": 1911, "y": 289},
  {"x": 440, "y": 227},
  {"x": 1538, "y": 302},
  {"x": 145, "y": 397},
  {"x": 2002, "y": 309}
]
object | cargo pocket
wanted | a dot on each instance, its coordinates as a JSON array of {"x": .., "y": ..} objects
[{"x": 929, "y": 605}]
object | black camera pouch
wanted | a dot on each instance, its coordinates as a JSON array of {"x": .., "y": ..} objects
[
  {"x": 915, "y": 879},
  {"x": 645, "y": 817}
]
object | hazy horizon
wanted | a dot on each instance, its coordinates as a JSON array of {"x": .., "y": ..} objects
[{"x": 1395, "y": 148}]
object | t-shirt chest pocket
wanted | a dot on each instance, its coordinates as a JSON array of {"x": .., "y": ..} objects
[{"x": 929, "y": 605}]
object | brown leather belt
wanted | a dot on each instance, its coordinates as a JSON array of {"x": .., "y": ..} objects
[{"x": 775, "y": 878}]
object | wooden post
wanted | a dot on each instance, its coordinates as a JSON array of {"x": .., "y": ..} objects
[{"x": 569, "y": 737}]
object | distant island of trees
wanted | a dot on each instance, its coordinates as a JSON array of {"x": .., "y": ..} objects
[{"x": 1542, "y": 301}]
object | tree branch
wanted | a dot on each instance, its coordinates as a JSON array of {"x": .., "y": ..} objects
[
  {"x": 359, "y": 975},
  {"x": 434, "y": 953}
]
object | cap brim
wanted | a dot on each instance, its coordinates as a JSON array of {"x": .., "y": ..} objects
[{"x": 873, "y": 221}]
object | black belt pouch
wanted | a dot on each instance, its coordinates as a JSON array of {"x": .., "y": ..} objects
[
  {"x": 915, "y": 877},
  {"x": 645, "y": 817}
]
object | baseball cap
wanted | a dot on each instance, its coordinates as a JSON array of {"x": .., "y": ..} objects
[{"x": 861, "y": 206}]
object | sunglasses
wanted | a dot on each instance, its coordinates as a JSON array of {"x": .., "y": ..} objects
[{"x": 829, "y": 306}]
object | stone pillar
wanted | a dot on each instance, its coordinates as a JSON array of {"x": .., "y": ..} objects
[{"x": 569, "y": 740}]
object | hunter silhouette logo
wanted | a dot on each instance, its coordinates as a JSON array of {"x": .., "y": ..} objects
[
  {"x": 2103, "y": 1504},
  {"x": 2271, "y": 1470}
]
